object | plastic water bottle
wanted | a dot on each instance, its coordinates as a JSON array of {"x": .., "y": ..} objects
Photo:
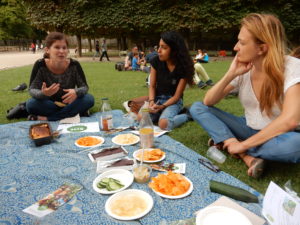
[
  {"x": 146, "y": 129},
  {"x": 106, "y": 118}
]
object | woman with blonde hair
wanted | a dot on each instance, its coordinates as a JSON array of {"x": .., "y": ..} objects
[{"x": 268, "y": 84}]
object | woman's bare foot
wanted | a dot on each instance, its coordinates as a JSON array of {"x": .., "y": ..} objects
[{"x": 256, "y": 165}]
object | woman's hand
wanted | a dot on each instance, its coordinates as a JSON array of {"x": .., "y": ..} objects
[
  {"x": 235, "y": 147},
  {"x": 50, "y": 90},
  {"x": 70, "y": 96},
  {"x": 238, "y": 68},
  {"x": 156, "y": 108}
]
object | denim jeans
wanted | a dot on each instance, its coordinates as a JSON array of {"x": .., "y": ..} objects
[
  {"x": 170, "y": 113},
  {"x": 221, "y": 126},
  {"x": 46, "y": 107}
]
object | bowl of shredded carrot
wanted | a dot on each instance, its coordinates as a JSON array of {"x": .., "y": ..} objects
[
  {"x": 89, "y": 141},
  {"x": 171, "y": 185}
]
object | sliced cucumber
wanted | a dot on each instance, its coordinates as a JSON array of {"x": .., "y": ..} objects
[
  {"x": 110, "y": 184},
  {"x": 105, "y": 180},
  {"x": 114, "y": 186}
]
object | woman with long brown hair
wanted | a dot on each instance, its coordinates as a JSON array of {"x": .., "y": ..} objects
[{"x": 268, "y": 84}]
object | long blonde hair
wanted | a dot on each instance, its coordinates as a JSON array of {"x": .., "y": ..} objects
[{"x": 267, "y": 29}]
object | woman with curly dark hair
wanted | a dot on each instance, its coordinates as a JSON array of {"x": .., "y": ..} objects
[{"x": 171, "y": 70}]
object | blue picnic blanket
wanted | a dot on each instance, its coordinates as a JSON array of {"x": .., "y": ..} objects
[{"x": 29, "y": 173}]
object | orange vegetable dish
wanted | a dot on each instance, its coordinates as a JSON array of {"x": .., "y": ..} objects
[
  {"x": 170, "y": 184},
  {"x": 88, "y": 141},
  {"x": 152, "y": 155}
]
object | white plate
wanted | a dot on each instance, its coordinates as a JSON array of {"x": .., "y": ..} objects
[
  {"x": 99, "y": 138},
  {"x": 221, "y": 215},
  {"x": 117, "y": 138},
  {"x": 130, "y": 192},
  {"x": 177, "y": 196},
  {"x": 124, "y": 176},
  {"x": 135, "y": 153}
]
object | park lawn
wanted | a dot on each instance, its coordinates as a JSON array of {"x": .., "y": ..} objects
[{"x": 105, "y": 81}]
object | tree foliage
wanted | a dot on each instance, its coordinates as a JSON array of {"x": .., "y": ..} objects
[
  {"x": 13, "y": 24},
  {"x": 138, "y": 19}
]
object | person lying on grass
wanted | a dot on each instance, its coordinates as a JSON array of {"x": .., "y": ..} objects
[
  {"x": 170, "y": 71},
  {"x": 267, "y": 81},
  {"x": 57, "y": 85}
]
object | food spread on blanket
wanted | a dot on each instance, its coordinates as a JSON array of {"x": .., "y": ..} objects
[
  {"x": 88, "y": 141},
  {"x": 128, "y": 205},
  {"x": 151, "y": 155},
  {"x": 164, "y": 167},
  {"x": 172, "y": 184},
  {"x": 40, "y": 131},
  {"x": 141, "y": 173},
  {"x": 110, "y": 184},
  {"x": 126, "y": 139}
]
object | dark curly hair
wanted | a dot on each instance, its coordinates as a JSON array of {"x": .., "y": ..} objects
[{"x": 179, "y": 54}]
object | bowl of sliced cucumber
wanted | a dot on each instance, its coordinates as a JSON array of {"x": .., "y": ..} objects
[{"x": 113, "y": 181}]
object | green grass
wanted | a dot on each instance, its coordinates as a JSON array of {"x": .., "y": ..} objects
[{"x": 105, "y": 81}]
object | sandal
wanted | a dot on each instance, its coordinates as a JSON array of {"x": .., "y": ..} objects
[
  {"x": 257, "y": 167},
  {"x": 32, "y": 117}
]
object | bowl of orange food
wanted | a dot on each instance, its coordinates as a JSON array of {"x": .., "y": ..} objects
[
  {"x": 89, "y": 141},
  {"x": 151, "y": 155},
  {"x": 171, "y": 185}
]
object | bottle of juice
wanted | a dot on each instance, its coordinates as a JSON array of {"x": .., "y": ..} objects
[
  {"x": 106, "y": 119},
  {"x": 146, "y": 129}
]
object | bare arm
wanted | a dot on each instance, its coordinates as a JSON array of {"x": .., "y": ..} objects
[
  {"x": 286, "y": 121},
  {"x": 179, "y": 90},
  {"x": 152, "y": 86},
  {"x": 223, "y": 87}
]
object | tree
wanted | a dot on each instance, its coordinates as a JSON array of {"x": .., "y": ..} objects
[{"x": 13, "y": 23}]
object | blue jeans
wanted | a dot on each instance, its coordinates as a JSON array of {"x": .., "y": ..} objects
[
  {"x": 46, "y": 107},
  {"x": 170, "y": 113},
  {"x": 221, "y": 126}
]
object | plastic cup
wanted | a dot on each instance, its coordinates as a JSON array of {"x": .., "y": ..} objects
[
  {"x": 216, "y": 154},
  {"x": 141, "y": 173}
]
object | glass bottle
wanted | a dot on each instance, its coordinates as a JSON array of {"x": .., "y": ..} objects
[
  {"x": 106, "y": 118},
  {"x": 146, "y": 129}
]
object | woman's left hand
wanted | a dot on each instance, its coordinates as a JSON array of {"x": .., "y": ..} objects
[
  {"x": 70, "y": 96},
  {"x": 235, "y": 147},
  {"x": 156, "y": 108}
]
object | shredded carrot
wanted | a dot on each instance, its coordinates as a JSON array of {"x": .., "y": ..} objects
[
  {"x": 170, "y": 184},
  {"x": 151, "y": 155},
  {"x": 88, "y": 141}
]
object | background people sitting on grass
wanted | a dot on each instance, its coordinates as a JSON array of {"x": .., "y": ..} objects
[
  {"x": 171, "y": 70},
  {"x": 198, "y": 55},
  {"x": 202, "y": 56},
  {"x": 201, "y": 78},
  {"x": 148, "y": 57},
  {"x": 57, "y": 84},
  {"x": 128, "y": 59},
  {"x": 135, "y": 62},
  {"x": 268, "y": 82}
]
